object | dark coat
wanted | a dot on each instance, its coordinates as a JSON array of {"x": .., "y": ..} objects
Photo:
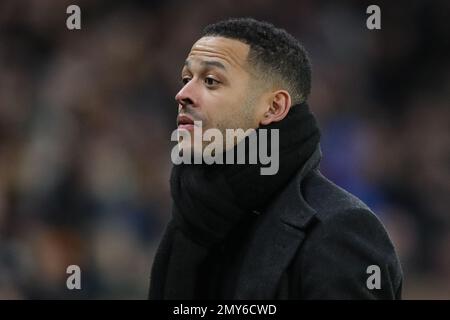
[{"x": 315, "y": 241}]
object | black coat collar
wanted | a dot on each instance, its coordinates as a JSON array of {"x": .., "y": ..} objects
[{"x": 276, "y": 237}]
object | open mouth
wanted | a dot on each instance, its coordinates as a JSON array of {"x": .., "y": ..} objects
[{"x": 184, "y": 122}]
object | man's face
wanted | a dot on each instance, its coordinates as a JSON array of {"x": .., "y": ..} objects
[{"x": 217, "y": 87}]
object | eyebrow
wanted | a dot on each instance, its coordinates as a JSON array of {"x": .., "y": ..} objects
[{"x": 208, "y": 64}]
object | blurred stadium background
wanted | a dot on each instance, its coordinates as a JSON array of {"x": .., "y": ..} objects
[{"x": 86, "y": 117}]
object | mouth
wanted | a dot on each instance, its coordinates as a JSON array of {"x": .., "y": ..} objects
[{"x": 185, "y": 122}]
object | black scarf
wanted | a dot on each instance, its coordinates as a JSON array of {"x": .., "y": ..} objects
[{"x": 211, "y": 202}]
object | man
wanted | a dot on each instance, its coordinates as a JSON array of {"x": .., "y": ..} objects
[{"x": 238, "y": 234}]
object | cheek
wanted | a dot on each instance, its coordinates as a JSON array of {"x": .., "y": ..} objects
[
  {"x": 216, "y": 107},
  {"x": 227, "y": 108},
  {"x": 233, "y": 103}
]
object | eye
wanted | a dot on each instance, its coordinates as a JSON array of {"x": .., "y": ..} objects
[
  {"x": 185, "y": 80},
  {"x": 209, "y": 81}
]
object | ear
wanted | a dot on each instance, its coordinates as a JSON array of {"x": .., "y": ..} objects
[{"x": 278, "y": 108}]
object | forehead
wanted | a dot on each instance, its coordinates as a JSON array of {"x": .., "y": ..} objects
[{"x": 230, "y": 52}]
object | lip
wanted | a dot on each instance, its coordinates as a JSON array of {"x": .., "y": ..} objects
[
  {"x": 185, "y": 122},
  {"x": 188, "y": 127}
]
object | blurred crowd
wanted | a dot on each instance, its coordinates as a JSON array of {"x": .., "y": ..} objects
[{"x": 86, "y": 117}]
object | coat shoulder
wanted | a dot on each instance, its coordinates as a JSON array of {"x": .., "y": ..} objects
[
  {"x": 328, "y": 199},
  {"x": 346, "y": 238}
]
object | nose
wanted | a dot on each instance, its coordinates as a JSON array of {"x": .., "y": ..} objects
[{"x": 185, "y": 96}]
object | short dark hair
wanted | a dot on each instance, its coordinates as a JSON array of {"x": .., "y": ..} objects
[{"x": 273, "y": 51}]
